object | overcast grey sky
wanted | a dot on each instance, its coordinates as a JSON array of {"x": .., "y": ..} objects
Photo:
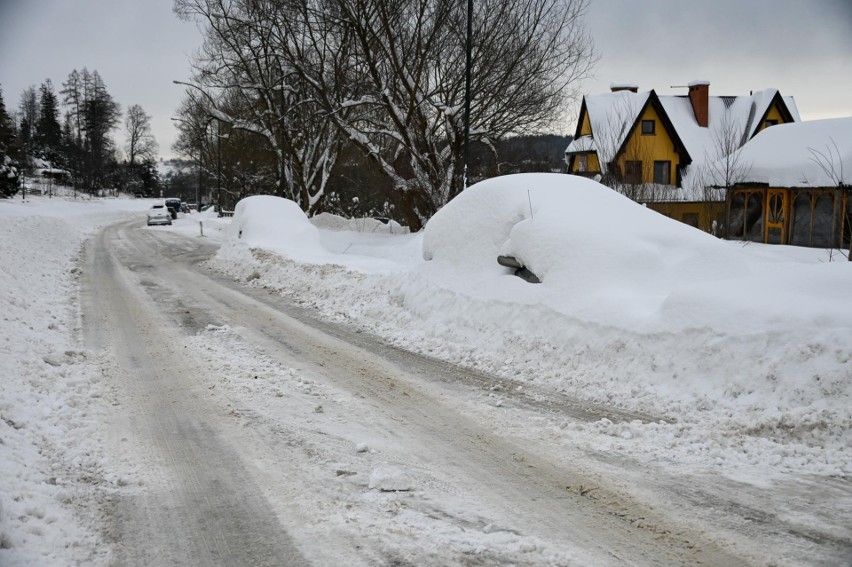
[
  {"x": 802, "y": 48},
  {"x": 139, "y": 46}
]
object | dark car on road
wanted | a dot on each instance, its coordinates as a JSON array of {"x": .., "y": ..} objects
[{"x": 174, "y": 207}]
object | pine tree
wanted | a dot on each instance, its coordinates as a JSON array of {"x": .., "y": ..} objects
[
  {"x": 8, "y": 163},
  {"x": 100, "y": 115},
  {"x": 74, "y": 100},
  {"x": 48, "y": 132}
]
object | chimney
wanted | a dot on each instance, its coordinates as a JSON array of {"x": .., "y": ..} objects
[
  {"x": 699, "y": 96},
  {"x": 615, "y": 87}
]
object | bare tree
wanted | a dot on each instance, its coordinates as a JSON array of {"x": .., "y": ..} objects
[
  {"x": 830, "y": 162},
  {"x": 625, "y": 158},
  {"x": 388, "y": 76},
  {"x": 29, "y": 112},
  {"x": 244, "y": 79},
  {"x": 723, "y": 165},
  {"x": 141, "y": 143}
]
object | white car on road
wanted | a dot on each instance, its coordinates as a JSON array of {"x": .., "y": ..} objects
[{"x": 159, "y": 214}]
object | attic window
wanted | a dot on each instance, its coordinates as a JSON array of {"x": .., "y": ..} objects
[
  {"x": 648, "y": 127},
  {"x": 770, "y": 122}
]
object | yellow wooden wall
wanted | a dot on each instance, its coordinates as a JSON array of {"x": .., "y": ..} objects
[
  {"x": 773, "y": 114},
  {"x": 704, "y": 212},
  {"x": 650, "y": 148},
  {"x": 586, "y": 126},
  {"x": 592, "y": 163}
]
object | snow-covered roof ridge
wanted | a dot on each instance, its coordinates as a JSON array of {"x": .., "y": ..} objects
[
  {"x": 815, "y": 153},
  {"x": 611, "y": 113},
  {"x": 583, "y": 144}
]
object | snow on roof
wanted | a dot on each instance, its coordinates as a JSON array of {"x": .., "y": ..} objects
[
  {"x": 612, "y": 114},
  {"x": 699, "y": 83},
  {"x": 816, "y": 153},
  {"x": 583, "y": 144}
]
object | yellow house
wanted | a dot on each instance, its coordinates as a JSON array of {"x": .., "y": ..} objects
[{"x": 660, "y": 149}]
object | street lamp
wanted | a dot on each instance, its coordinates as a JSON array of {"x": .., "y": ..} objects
[
  {"x": 201, "y": 136},
  {"x": 218, "y": 138}
]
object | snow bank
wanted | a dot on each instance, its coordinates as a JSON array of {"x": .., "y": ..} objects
[
  {"x": 50, "y": 394},
  {"x": 329, "y": 221},
  {"x": 744, "y": 348},
  {"x": 279, "y": 226},
  {"x": 272, "y": 223}
]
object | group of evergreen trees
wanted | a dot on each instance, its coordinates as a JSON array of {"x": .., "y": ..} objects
[
  {"x": 81, "y": 144},
  {"x": 9, "y": 166}
]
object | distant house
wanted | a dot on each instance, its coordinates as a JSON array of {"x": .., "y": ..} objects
[
  {"x": 798, "y": 186},
  {"x": 660, "y": 149}
]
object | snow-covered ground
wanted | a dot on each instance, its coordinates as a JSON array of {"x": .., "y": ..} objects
[
  {"x": 50, "y": 398},
  {"x": 743, "y": 352},
  {"x": 745, "y": 348}
]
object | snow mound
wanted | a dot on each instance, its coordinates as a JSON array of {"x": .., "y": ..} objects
[
  {"x": 275, "y": 224},
  {"x": 329, "y": 221},
  {"x": 587, "y": 244},
  {"x": 573, "y": 231},
  {"x": 388, "y": 478}
]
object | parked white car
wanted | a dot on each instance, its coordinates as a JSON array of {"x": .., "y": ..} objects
[{"x": 159, "y": 214}]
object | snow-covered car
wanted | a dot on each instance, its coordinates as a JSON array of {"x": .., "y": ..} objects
[{"x": 159, "y": 214}]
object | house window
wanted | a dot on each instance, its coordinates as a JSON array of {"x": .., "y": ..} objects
[
  {"x": 633, "y": 172},
  {"x": 648, "y": 127},
  {"x": 663, "y": 172},
  {"x": 582, "y": 163},
  {"x": 770, "y": 122}
]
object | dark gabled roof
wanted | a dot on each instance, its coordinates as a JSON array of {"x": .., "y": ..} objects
[
  {"x": 654, "y": 101},
  {"x": 778, "y": 101}
]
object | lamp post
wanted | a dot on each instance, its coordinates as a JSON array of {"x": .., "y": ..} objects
[
  {"x": 202, "y": 134},
  {"x": 218, "y": 138}
]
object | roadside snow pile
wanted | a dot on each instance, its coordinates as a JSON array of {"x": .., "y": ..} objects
[
  {"x": 50, "y": 392},
  {"x": 744, "y": 349},
  {"x": 275, "y": 224},
  {"x": 329, "y": 221},
  {"x": 264, "y": 224}
]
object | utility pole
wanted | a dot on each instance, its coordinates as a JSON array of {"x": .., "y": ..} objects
[{"x": 467, "y": 72}]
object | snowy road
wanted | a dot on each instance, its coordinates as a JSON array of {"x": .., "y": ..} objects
[{"x": 249, "y": 433}]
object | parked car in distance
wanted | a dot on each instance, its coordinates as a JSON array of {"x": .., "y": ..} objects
[
  {"x": 159, "y": 214},
  {"x": 174, "y": 206}
]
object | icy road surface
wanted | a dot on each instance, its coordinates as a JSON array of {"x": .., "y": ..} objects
[{"x": 250, "y": 433}]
